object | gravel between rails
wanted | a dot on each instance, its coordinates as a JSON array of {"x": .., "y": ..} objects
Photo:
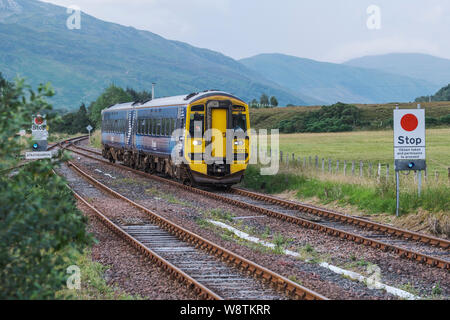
[
  {"x": 127, "y": 269},
  {"x": 185, "y": 209},
  {"x": 421, "y": 247},
  {"x": 309, "y": 274},
  {"x": 220, "y": 277}
]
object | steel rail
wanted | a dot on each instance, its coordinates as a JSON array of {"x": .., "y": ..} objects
[
  {"x": 278, "y": 281},
  {"x": 71, "y": 140},
  {"x": 337, "y": 216},
  {"x": 173, "y": 271},
  {"x": 384, "y": 246},
  {"x": 363, "y": 223}
]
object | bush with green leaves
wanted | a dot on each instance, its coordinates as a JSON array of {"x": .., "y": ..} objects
[
  {"x": 335, "y": 118},
  {"x": 40, "y": 226}
]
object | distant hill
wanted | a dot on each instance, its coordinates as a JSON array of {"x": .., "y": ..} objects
[
  {"x": 35, "y": 43},
  {"x": 329, "y": 82},
  {"x": 442, "y": 95},
  {"x": 421, "y": 66}
]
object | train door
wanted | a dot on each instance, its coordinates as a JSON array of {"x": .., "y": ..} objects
[
  {"x": 218, "y": 117},
  {"x": 219, "y": 122}
]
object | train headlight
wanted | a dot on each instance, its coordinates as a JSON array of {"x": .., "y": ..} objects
[
  {"x": 197, "y": 143},
  {"x": 238, "y": 143}
]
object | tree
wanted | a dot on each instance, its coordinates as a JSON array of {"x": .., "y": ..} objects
[
  {"x": 273, "y": 101},
  {"x": 264, "y": 100},
  {"x": 334, "y": 118},
  {"x": 254, "y": 103},
  {"x": 81, "y": 120},
  {"x": 40, "y": 226},
  {"x": 139, "y": 96},
  {"x": 71, "y": 123},
  {"x": 442, "y": 95},
  {"x": 112, "y": 95}
]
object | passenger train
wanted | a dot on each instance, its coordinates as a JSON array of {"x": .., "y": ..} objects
[{"x": 172, "y": 136}]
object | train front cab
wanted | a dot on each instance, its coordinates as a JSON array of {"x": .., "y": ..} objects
[{"x": 218, "y": 113}]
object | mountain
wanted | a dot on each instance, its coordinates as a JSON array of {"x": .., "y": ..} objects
[
  {"x": 330, "y": 82},
  {"x": 415, "y": 65},
  {"x": 35, "y": 43},
  {"x": 442, "y": 95}
]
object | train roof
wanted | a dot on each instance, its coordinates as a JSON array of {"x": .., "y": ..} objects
[{"x": 171, "y": 101}]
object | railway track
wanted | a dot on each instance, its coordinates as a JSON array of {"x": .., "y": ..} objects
[
  {"x": 406, "y": 244},
  {"x": 211, "y": 271},
  {"x": 50, "y": 147}
]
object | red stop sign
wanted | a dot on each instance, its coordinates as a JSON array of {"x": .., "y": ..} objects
[
  {"x": 409, "y": 122},
  {"x": 38, "y": 120}
]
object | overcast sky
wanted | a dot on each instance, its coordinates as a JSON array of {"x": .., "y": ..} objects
[{"x": 325, "y": 30}]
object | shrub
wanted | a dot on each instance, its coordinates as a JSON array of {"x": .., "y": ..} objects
[
  {"x": 335, "y": 118},
  {"x": 40, "y": 225}
]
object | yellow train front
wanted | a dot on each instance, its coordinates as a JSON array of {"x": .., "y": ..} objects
[
  {"x": 217, "y": 142},
  {"x": 198, "y": 139}
]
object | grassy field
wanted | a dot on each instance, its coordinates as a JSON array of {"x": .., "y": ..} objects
[
  {"x": 375, "y": 146},
  {"x": 355, "y": 195}
]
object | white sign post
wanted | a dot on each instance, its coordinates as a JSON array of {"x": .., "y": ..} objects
[
  {"x": 409, "y": 134},
  {"x": 409, "y": 144},
  {"x": 38, "y": 155},
  {"x": 89, "y": 128}
]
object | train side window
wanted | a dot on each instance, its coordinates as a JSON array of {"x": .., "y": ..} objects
[
  {"x": 200, "y": 108},
  {"x": 196, "y": 127},
  {"x": 239, "y": 122},
  {"x": 172, "y": 127},
  {"x": 158, "y": 127}
]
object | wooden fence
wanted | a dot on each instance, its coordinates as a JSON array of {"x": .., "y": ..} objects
[{"x": 349, "y": 167}]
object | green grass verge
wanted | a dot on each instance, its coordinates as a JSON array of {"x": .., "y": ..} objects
[
  {"x": 93, "y": 285},
  {"x": 379, "y": 198}
]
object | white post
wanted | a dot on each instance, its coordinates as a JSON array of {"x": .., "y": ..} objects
[
  {"x": 397, "y": 179},
  {"x": 420, "y": 183}
]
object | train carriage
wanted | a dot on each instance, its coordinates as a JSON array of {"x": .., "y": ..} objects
[{"x": 208, "y": 131}]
